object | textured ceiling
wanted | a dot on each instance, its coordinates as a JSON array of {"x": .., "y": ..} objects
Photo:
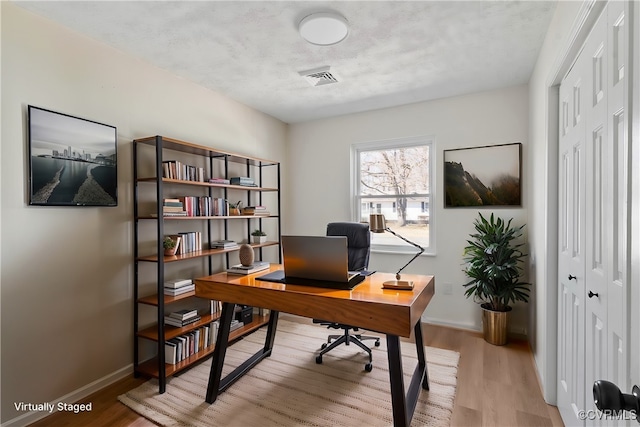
[{"x": 396, "y": 52}]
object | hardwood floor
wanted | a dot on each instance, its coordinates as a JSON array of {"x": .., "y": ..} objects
[{"x": 497, "y": 386}]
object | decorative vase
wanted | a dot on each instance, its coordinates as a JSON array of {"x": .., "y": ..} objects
[
  {"x": 259, "y": 239},
  {"x": 494, "y": 325},
  {"x": 246, "y": 254}
]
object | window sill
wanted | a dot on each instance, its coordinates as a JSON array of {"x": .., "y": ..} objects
[{"x": 400, "y": 251}]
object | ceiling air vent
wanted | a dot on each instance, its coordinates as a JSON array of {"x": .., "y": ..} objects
[{"x": 319, "y": 76}]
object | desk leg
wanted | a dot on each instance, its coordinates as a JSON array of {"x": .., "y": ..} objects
[
  {"x": 217, "y": 362},
  {"x": 271, "y": 332},
  {"x": 422, "y": 360},
  {"x": 405, "y": 404},
  {"x": 217, "y": 384}
]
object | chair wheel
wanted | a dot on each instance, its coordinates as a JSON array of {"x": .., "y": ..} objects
[
  {"x": 318, "y": 359},
  {"x": 368, "y": 367},
  {"x": 377, "y": 343},
  {"x": 323, "y": 346}
]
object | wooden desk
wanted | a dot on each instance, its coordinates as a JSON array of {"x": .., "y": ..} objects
[{"x": 393, "y": 313}]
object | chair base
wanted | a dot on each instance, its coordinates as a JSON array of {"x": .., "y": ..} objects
[{"x": 346, "y": 339}]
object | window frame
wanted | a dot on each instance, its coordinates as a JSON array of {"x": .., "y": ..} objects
[{"x": 357, "y": 200}]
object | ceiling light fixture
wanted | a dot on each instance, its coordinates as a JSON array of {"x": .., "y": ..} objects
[{"x": 324, "y": 28}]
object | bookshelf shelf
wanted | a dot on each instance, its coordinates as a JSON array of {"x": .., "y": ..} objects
[
  {"x": 208, "y": 184},
  {"x": 202, "y": 253},
  {"x": 150, "y": 367},
  {"x": 153, "y": 158}
]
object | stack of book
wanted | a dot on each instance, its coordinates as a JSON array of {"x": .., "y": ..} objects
[
  {"x": 248, "y": 269},
  {"x": 181, "y": 318},
  {"x": 179, "y": 348},
  {"x": 219, "y": 181},
  {"x": 261, "y": 211},
  {"x": 235, "y": 324},
  {"x": 178, "y": 287},
  {"x": 243, "y": 180},
  {"x": 173, "y": 207},
  {"x": 223, "y": 244}
]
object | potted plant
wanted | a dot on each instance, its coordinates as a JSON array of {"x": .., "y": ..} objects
[
  {"x": 492, "y": 262},
  {"x": 259, "y": 236},
  {"x": 170, "y": 245},
  {"x": 234, "y": 208}
]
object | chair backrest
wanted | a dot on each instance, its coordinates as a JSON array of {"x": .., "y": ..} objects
[{"x": 358, "y": 242}]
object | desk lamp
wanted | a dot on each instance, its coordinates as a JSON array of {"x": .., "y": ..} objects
[{"x": 377, "y": 224}]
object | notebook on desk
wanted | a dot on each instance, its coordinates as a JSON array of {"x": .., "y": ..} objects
[{"x": 320, "y": 261}]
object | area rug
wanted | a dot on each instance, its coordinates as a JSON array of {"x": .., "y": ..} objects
[{"x": 290, "y": 389}]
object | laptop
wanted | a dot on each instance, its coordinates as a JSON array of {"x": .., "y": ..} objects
[{"x": 320, "y": 261}]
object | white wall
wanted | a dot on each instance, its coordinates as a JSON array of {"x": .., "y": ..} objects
[
  {"x": 66, "y": 273},
  {"x": 318, "y": 159}
]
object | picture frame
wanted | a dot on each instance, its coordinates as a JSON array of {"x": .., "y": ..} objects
[
  {"x": 72, "y": 161},
  {"x": 485, "y": 176}
]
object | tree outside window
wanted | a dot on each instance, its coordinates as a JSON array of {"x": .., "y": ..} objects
[{"x": 394, "y": 178}]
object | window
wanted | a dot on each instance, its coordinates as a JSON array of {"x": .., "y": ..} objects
[{"x": 395, "y": 178}]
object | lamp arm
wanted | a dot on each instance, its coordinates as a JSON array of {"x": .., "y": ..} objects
[{"x": 411, "y": 243}]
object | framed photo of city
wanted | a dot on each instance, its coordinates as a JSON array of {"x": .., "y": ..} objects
[
  {"x": 72, "y": 161},
  {"x": 483, "y": 176}
]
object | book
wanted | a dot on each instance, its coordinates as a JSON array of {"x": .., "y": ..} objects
[
  {"x": 183, "y": 314},
  {"x": 219, "y": 181},
  {"x": 249, "y": 210},
  {"x": 242, "y": 180},
  {"x": 168, "y": 320},
  {"x": 216, "y": 307},
  {"x": 180, "y": 213},
  {"x": 235, "y": 324},
  {"x": 242, "y": 269},
  {"x": 182, "y": 353},
  {"x": 223, "y": 244},
  {"x": 191, "y": 242},
  {"x": 177, "y": 283},
  {"x": 179, "y": 291},
  {"x": 172, "y": 209},
  {"x": 171, "y": 352},
  {"x": 260, "y": 210}
]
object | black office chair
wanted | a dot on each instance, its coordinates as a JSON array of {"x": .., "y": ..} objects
[{"x": 358, "y": 244}]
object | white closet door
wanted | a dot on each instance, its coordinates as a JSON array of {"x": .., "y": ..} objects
[
  {"x": 597, "y": 207},
  {"x": 593, "y": 318},
  {"x": 617, "y": 277},
  {"x": 571, "y": 227}
]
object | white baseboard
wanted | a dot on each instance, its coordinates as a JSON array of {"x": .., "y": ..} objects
[
  {"x": 76, "y": 395},
  {"x": 514, "y": 331},
  {"x": 456, "y": 325}
]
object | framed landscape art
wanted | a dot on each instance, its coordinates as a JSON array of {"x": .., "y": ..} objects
[
  {"x": 72, "y": 161},
  {"x": 483, "y": 176}
]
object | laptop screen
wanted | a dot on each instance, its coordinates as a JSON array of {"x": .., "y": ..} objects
[
  {"x": 316, "y": 257},
  {"x": 320, "y": 261}
]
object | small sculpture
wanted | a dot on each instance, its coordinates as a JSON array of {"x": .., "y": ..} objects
[{"x": 246, "y": 255}]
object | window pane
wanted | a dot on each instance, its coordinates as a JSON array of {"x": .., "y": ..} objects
[
  {"x": 411, "y": 222},
  {"x": 395, "y": 171},
  {"x": 393, "y": 179}
]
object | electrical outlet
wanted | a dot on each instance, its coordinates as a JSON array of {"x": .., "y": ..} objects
[{"x": 447, "y": 289}]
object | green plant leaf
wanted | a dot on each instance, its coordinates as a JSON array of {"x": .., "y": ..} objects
[{"x": 492, "y": 260}]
